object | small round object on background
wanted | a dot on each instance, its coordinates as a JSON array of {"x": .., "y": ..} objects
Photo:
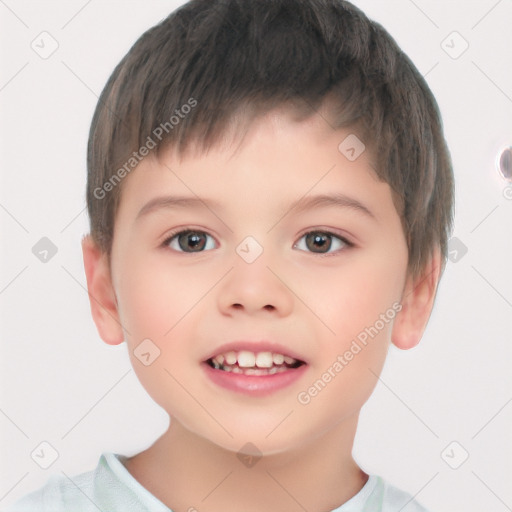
[{"x": 504, "y": 163}]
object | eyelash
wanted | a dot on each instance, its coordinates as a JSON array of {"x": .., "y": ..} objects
[{"x": 184, "y": 230}]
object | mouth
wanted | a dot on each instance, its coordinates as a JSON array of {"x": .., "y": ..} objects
[
  {"x": 245, "y": 362},
  {"x": 254, "y": 368}
]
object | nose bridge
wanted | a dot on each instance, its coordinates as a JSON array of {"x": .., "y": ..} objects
[{"x": 253, "y": 285}]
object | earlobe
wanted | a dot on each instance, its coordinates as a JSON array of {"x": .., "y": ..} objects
[
  {"x": 417, "y": 303},
  {"x": 102, "y": 297}
]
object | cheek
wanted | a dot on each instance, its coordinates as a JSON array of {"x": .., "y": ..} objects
[
  {"x": 154, "y": 313},
  {"x": 354, "y": 295},
  {"x": 361, "y": 312},
  {"x": 156, "y": 303},
  {"x": 358, "y": 301},
  {"x": 155, "y": 295}
]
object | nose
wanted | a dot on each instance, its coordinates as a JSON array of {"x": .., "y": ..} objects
[{"x": 255, "y": 288}]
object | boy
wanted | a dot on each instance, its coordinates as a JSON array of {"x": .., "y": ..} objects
[{"x": 300, "y": 154}]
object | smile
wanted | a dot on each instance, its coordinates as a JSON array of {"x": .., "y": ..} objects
[
  {"x": 254, "y": 373},
  {"x": 253, "y": 363}
]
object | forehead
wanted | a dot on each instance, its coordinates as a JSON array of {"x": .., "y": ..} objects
[{"x": 272, "y": 161}]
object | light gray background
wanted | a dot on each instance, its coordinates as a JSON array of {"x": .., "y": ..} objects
[{"x": 63, "y": 385}]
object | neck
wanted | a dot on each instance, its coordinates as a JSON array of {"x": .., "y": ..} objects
[{"x": 203, "y": 476}]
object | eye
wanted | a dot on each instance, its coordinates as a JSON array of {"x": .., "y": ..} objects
[
  {"x": 190, "y": 241},
  {"x": 321, "y": 242}
]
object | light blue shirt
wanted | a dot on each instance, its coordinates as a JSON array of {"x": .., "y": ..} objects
[{"x": 112, "y": 488}]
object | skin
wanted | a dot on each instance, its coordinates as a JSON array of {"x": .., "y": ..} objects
[{"x": 189, "y": 304}]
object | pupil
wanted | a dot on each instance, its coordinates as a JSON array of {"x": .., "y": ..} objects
[
  {"x": 192, "y": 241},
  {"x": 316, "y": 241}
]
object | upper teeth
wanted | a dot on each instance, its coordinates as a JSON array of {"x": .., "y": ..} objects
[{"x": 247, "y": 359}]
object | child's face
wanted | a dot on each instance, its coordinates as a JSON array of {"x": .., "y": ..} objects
[{"x": 191, "y": 304}]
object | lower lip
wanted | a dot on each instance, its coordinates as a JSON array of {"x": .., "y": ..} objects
[{"x": 254, "y": 385}]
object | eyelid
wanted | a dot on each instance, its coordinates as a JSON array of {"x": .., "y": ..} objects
[
  {"x": 329, "y": 232},
  {"x": 184, "y": 229},
  {"x": 326, "y": 231}
]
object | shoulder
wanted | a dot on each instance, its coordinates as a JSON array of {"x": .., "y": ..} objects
[
  {"x": 109, "y": 487},
  {"x": 392, "y": 497},
  {"x": 377, "y": 495},
  {"x": 62, "y": 493},
  {"x": 59, "y": 494}
]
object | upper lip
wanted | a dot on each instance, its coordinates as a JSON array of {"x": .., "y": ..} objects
[{"x": 255, "y": 346}]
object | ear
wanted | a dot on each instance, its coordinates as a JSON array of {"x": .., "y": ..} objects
[
  {"x": 104, "y": 307},
  {"x": 417, "y": 302}
]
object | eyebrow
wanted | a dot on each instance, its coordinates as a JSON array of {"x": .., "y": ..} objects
[
  {"x": 337, "y": 200},
  {"x": 159, "y": 203},
  {"x": 301, "y": 205}
]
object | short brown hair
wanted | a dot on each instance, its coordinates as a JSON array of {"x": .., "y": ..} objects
[{"x": 221, "y": 58}]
